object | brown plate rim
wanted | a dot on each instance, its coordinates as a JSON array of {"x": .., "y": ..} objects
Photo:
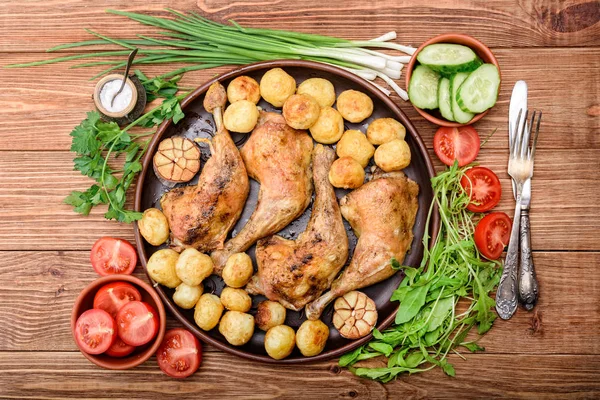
[{"x": 147, "y": 163}]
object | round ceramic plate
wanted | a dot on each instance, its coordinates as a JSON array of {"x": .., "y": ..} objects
[{"x": 199, "y": 123}]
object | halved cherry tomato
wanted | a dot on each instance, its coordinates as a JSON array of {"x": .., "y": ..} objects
[
  {"x": 137, "y": 323},
  {"x": 113, "y": 296},
  {"x": 483, "y": 187},
  {"x": 119, "y": 349},
  {"x": 113, "y": 256},
  {"x": 95, "y": 331},
  {"x": 180, "y": 353},
  {"x": 460, "y": 144},
  {"x": 492, "y": 234}
]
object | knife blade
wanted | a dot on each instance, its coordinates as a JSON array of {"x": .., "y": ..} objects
[{"x": 518, "y": 102}]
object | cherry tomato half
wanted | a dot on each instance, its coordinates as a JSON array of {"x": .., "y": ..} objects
[
  {"x": 180, "y": 353},
  {"x": 113, "y": 256},
  {"x": 492, "y": 234},
  {"x": 119, "y": 349},
  {"x": 483, "y": 187},
  {"x": 95, "y": 331},
  {"x": 113, "y": 296},
  {"x": 460, "y": 144},
  {"x": 137, "y": 323}
]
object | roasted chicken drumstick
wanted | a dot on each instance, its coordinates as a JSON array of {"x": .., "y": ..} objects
[{"x": 201, "y": 216}]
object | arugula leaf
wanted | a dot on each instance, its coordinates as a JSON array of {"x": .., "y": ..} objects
[
  {"x": 412, "y": 303},
  {"x": 439, "y": 313},
  {"x": 383, "y": 348},
  {"x": 350, "y": 358},
  {"x": 473, "y": 347}
]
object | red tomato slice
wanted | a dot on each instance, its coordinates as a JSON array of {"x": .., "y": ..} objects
[
  {"x": 483, "y": 187},
  {"x": 95, "y": 331},
  {"x": 113, "y": 256},
  {"x": 460, "y": 144},
  {"x": 137, "y": 323},
  {"x": 119, "y": 349},
  {"x": 113, "y": 296},
  {"x": 180, "y": 353},
  {"x": 492, "y": 234}
]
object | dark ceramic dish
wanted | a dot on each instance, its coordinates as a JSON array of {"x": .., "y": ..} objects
[{"x": 199, "y": 123}]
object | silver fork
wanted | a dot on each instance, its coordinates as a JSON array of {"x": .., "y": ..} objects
[{"x": 520, "y": 168}]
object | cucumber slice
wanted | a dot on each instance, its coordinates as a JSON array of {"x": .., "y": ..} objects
[
  {"x": 455, "y": 82},
  {"x": 423, "y": 87},
  {"x": 448, "y": 59},
  {"x": 480, "y": 90},
  {"x": 444, "y": 99}
]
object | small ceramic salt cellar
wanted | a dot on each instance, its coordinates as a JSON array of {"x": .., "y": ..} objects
[{"x": 127, "y": 105}]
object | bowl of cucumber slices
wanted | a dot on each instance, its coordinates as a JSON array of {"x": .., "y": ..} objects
[{"x": 453, "y": 80}]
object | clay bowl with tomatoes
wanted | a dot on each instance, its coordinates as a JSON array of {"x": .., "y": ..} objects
[{"x": 118, "y": 321}]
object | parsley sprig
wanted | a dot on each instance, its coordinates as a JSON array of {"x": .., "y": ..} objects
[{"x": 95, "y": 142}]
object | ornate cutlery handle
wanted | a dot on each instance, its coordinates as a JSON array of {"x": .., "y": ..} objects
[
  {"x": 506, "y": 295},
  {"x": 528, "y": 285}
]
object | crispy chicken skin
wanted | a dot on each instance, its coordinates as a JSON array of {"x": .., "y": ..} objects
[
  {"x": 296, "y": 272},
  {"x": 278, "y": 157},
  {"x": 382, "y": 214},
  {"x": 201, "y": 216}
]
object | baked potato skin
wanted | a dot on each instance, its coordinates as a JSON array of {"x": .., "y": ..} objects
[
  {"x": 269, "y": 314},
  {"x": 320, "y": 89},
  {"x": 393, "y": 156},
  {"x": 238, "y": 270},
  {"x": 346, "y": 173},
  {"x": 236, "y": 299},
  {"x": 241, "y": 116},
  {"x": 311, "y": 337},
  {"x": 243, "y": 88},
  {"x": 193, "y": 267},
  {"x": 208, "y": 311},
  {"x": 162, "y": 268},
  {"x": 354, "y": 106},
  {"x": 237, "y": 327},
  {"x": 383, "y": 130},
  {"x": 355, "y": 144},
  {"x": 301, "y": 111},
  {"x": 187, "y": 296},
  {"x": 276, "y": 86},
  {"x": 329, "y": 127},
  {"x": 280, "y": 341},
  {"x": 154, "y": 227}
]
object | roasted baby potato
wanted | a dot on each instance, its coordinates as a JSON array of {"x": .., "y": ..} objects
[
  {"x": 236, "y": 299},
  {"x": 393, "y": 156},
  {"x": 208, "y": 311},
  {"x": 154, "y": 227},
  {"x": 240, "y": 116},
  {"x": 356, "y": 145},
  {"x": 280, "y": 341},
  {"x": 237, "y": 327},
  {"x": 161, "y": 268},
  {"x": 301, "y": 111},
  {"x": 269, "y": 314},
  {"x": 329, "y": 126},
  {"x": 311, "y": 337},
  {"x": 383, "y": 130},
  {"x": 320, "y": 89},
  {"x": 243, "y": 88},
  {"x": 276, "y": 86},
  {"x": 354, "y": 106},
  {"x": 238, "y": 270},
  {"x": 187, "y": 296},
  {"x": 346, "y": 173},
  {"x": 193, "y": 267}
]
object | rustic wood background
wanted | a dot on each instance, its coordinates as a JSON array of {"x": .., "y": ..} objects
[{"x": 552, "y": 352}]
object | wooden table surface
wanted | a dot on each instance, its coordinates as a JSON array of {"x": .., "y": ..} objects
[{"x": 552, "y": 352}]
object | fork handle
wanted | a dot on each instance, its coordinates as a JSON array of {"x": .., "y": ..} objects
[
  {"x": 506, "y": 295},
  {"x": 528, "y": 284}
]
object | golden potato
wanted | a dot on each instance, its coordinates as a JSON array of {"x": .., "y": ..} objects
[
  {"x": 329, "y": 126},
  {"x": 346, "y": 173},
  {"x": 354, "y": 106},
  {"x": 356, "y": 145},
  {"x": 243, "y": 88},
  {"x": 208, "y": 311},
  {"x": 193, "y": 267},
  {"x": 154, "y": 227},
  {"x": 301, "y": 111},
  {"x": 312, "y": 337},
  {"x": 240, "y": 116},
  {"x": 280, "y": 341},
  {"x": 384, "y": 130},
  {"x": 187, "y": 296},
  {"x": 393, "y": 156},
  {"x": 238, "y": 270},
  {"x": 161, "y": 268},
  {"x": 320, "y": 89},
  {"x": 276, "y": 86},
  {"x": 236, "y": 299},
  {"x": 269, "y": 314},
  {"x": 237, "y": 327}
]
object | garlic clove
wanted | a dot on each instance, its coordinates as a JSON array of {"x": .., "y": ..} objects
[{"x": 355, "y": 315}]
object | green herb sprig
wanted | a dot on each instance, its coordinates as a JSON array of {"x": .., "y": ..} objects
[{"x": 429, "y": 325}]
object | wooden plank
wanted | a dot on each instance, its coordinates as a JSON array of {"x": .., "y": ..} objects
[
  {"x": 37, "y": 291},
  {"x": 43, "y": 104},
  {"x": 69, "y": 375},
  {"x": 505, "y": 23}
]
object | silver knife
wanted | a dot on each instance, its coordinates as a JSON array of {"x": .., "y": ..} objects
[{"x": 527, "y": 282}]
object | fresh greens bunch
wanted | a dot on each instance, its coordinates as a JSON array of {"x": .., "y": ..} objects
[
  {"x": 442, "y": 300},
  {"x": 95, "y": 141}
]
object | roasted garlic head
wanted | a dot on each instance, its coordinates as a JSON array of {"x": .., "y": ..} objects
[
  {"x": 177, "y": 160},
  {"x": 355, "y": 315}
]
